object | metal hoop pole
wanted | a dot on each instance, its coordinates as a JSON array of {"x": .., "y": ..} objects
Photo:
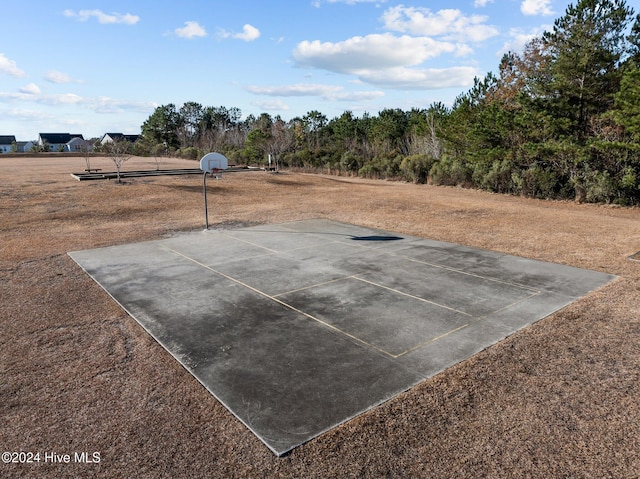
[{"x": 206, "y": 209}]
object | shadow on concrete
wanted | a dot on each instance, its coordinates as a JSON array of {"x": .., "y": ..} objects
[{"x": 376, "y": 238}]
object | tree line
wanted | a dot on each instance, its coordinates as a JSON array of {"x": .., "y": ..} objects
[{"x": 559, "y": 120}]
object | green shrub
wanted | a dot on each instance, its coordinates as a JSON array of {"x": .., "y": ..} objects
[
  {"x": 189, "y": 153},
  {"x": 599, "y": 187},
  {"x": 370, "y": 170},
  {"x": 498, "y": 178},
  {"x": 535, "y": 182},
  {"x": 416, "y": 168},
  {"x": 350, "y": 162},
  {"x": 451, "y": 172}
]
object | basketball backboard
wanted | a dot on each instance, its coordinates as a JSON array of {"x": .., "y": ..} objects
[{"x": 213, "y": 161}]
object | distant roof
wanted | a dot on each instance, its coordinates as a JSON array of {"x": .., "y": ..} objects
[
  {"x": 120, "y": 136},
  {"x": 58, "y": 138},
  {"x": 76, "y": 139},
  {"x": 7, "y": 139}
]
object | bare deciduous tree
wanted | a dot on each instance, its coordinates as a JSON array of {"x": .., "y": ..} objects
[
  {"x": 119, "y": 151},
  {"x": 280, "y": 140},
  {"x": 159, "y": 151},
  {"x": 85, "y": 148}
]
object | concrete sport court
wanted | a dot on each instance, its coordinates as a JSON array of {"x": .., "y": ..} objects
[{"x": 301, "y": 326}]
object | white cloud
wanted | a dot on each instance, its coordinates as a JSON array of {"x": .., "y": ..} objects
[
  {"x": 300, "y": 89},
  {"x": 536, "y": 7},
  {"x": 60, "y": 99},
  {"x": 97, "y": 104},
  {"x": 106, "y": 104},
  {"x": 463, "y": 50},
  {"x": 15, "y": 96},
  {"x": 10, "y": 67},
  {"x": 190, "y": 30},
  {"x": 104, "y": 18},
  {"x": 370, "y": 52},
  {"x": 519, "y": 38},
  {"x": 388, "y": 61},
  {"x": 395, "y": 61},
  {"x": 30, "y": 89},
  {"x": 482, "y": 3},
  {"x": 402, "y": 78},
  {"x": 248, "y": 34},
  {"x": 54, "y": 76},
  {"x": 357, "y": 95},
  {"x": 23, "y": 114},
  {"x": 272, "y": 105},
  {"x": 327, "y": 92},
  {"x": 450, "y": 24}
]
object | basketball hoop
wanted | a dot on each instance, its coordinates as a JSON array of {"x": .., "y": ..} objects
[
  {"x": 213, "y": 164},
  {"x": 213, "y": 161}
]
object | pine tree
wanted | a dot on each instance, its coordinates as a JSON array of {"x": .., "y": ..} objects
[{"x": 586, "y": 47}]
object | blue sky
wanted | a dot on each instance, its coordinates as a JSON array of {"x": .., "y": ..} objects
[{"x": 96, "y": 66}]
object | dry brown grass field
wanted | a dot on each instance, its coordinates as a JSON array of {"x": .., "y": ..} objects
[{"x": 560, "y": 398}]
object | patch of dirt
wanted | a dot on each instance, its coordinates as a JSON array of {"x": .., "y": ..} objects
[{"x": 557, "y": 399}]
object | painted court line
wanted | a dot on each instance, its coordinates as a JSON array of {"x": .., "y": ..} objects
[
  {"x": 247, "y": 242},
  {"x": 411, "y": 296},
  {"x": 508, "y": 306},
  {"x": 456, "y": 270},
  {"x": 432, "y": 340},
  {"x": 279, "y": 301},
  {"x": 316, "y": 285},
  {"x": 270, "y": 250}
]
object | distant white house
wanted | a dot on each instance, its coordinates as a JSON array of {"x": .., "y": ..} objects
[
  {"x": 6, "y": 142},
  {"x": 78, "y": 145},
  {"x": 57, "y": 141},
  {"x": 111, "y": 137},
  {"x": 54, "y": 142},
  {"x": 25, "y": 146}
]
